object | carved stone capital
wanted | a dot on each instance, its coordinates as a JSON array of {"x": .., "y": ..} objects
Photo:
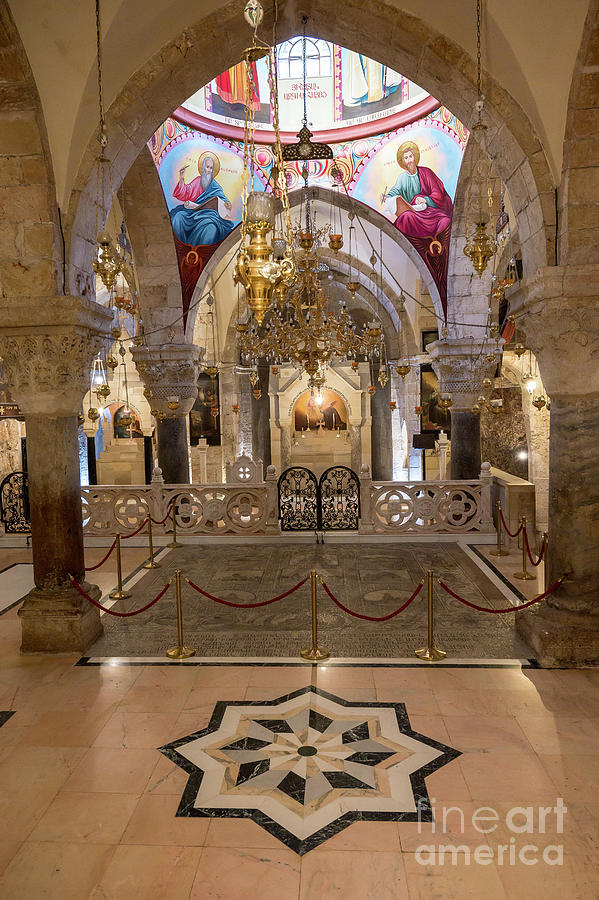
[
  {"x": 461, "y": 365},
  {"x": 48, "y": 354},
  {"x": 170, "y": 374},
  {"x": 557, "y": 308}
]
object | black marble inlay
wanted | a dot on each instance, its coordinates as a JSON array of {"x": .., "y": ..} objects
[
  {"x": 5, "y": 716},
  {"x": 279, "y": 726},
  {"x": 359, "y": 733},
  {"x": 249, "y": 770},
  {"x": 345, "y": 780},
  {"x": 307, "y": 751},
  {"x": 294, "y": 786},
  {"x": 317, "y": 721},
  {"x": 369, "y": 758},
  {"x": 247, "y": 743}
]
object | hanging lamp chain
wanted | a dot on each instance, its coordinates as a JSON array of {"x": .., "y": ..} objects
[
  {"x": 102, "y": 139},
  {"x": 479, "y": 90}
]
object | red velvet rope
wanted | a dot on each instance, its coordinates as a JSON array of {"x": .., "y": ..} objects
[
  {"x": 541, "y": 554},
  {"x": 373, "y": 618},
  {"x": 509, "y": 609},
  {"x": 97, "y": 566},
  {"x": 133, "y": 533},
  {"x": 162, "y": 521},
  {"x": 121, "y": 615},
  {"x": 245, "y": 605},
  {"x": 516, "y": 533}
]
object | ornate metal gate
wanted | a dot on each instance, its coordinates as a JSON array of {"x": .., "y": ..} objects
[
  {"x": 332, "y": 504},
  {"x": 298, "y": 500},
  {"x": 14, "y": 503},
  {"x": 339, "y": 490}
]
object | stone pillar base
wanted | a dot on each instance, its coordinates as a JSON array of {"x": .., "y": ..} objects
[
  {"x": 59, "y": 621},
  {"x": 560, "y": 639}
]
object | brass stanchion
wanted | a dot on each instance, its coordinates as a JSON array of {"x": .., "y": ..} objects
[
  {"x": 174, "y": 543},
  {"x": 499, "y": 551},
  {"x": 524, "y": 575},
  {"x": 180, "y": 651},
  {"x": 119, "y": 594},
  {"x": 314, "y": 652},
  {"x": 545, "y": 560},
  {"x": 430, "y": 652},
  {"x": 151, "y": 564}
]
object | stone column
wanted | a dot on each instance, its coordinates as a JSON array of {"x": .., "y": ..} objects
[
  {"x": 558, "y": 310},
  {"x": 244, "y": 427},
  {"x": 382, "y": 437},
  {"x": 261, "y": 419},
  {"x": 461, "y": 364},
  {"x": 48, "y": 366},
  {"x": 170, "y": 375}
]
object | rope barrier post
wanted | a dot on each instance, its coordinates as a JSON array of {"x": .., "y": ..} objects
[
  {"x": 314, "y": 652},
  {"x": 151, "y": 564},
  {"x": 545, "y": 561},
  {"x": 499, "y": 551},
  {"x": 119, "y": 594},
  {"x": 430, "y": 653},
  {"x": 174, "y": 543},
  {"x": 524, "y": 575},
  {"x": 180, "y": 651}
]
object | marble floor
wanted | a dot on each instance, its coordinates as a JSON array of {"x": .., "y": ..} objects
[{"x": 204, "y": 779}]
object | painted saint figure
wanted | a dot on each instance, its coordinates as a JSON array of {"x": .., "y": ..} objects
[
  {"x": 424, "y": 208},
  {"x": 198, "y": 220},
  {"x": 423, "y": 212}
]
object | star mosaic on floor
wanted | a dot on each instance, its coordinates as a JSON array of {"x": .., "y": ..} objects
[
  {"x": 5, "y": 716},
  {"x": 307, "y": 765}
]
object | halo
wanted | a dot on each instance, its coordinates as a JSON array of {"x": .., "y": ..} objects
[
  {"x": 408, "y": 145},
  {"x": 213, "y": 157}
]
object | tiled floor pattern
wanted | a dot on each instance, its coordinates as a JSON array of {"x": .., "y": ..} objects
[
  {"x": 88, "y": 802},
  {"x": 307, "y": 765}
]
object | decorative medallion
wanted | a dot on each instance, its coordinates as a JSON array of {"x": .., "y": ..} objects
[{"x": 307, "y": 765}]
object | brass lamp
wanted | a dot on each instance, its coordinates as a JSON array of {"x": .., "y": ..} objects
[
  {"x": 480, "y": 249},
  {"x": 256, "y": 269}
]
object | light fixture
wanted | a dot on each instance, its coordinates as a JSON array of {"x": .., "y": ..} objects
[
  {"x": 107, "y": 262},
  {"x": 519, "y": 349},
  {"x": 496, "y": 405},
  {"x": 539, "y": 401},
  {"x": 522, "y": 454},
  {"x": 480, "y": 247},
  {"x": 529, "y": 382}
]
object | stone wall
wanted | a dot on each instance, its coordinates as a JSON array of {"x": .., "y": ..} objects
[{"x": 504, "y": 434}]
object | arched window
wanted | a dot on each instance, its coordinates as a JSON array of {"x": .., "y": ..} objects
[{"x": 318, "y": 58}]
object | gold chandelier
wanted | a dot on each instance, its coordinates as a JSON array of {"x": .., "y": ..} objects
[{"x": 300, "y": 329}]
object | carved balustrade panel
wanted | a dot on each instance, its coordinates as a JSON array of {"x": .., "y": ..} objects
[{"x": 421, "y": 506}]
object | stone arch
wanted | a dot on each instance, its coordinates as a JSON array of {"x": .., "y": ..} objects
[
  {"x": 579, "y": 213},
  {"x": 149, "y": 227},
  {"x": 30, "y": 245},
  {"x": 409, "y": 45}
]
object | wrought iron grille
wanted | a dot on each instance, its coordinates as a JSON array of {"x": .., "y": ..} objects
[
  {"x": 298, "y": 500},
  {"x": 14, "y": 503},
  {"x": 339, "y": 490},
  {"x": 332, "y": 504}
]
